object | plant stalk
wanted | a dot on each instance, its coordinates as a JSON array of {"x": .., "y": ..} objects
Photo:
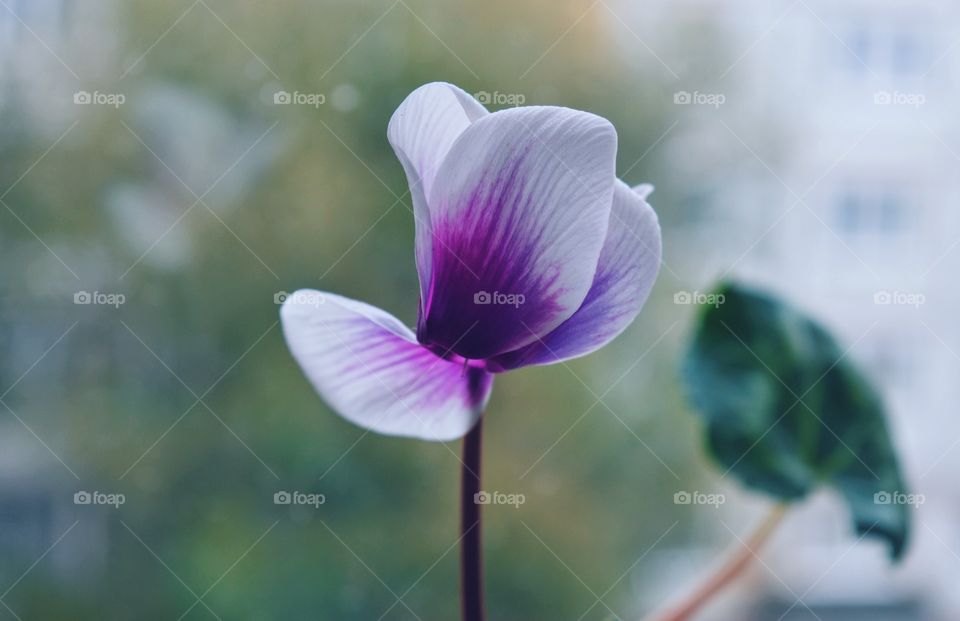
[
  {"x": 471, "y": 553},
  {"x": 738, "y": 561}
]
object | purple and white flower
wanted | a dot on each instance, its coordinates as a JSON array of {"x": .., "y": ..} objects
[{"x": 529, "y": 250}]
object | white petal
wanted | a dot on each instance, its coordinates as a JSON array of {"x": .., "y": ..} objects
[
  {"x": 644, "y": 190},
  {"x": 369, "y": 368},
  {"x": 625, "y": 275},
  {"x": 421, "y": 132},
  {"x": 520, "y": 207}
]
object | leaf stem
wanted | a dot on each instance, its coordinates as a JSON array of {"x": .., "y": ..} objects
[
  {"x": 738, "y": 560},
  {"x": 471, "y": 557}
]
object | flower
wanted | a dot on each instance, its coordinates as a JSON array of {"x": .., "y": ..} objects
[{"x": 529, "y": 250}]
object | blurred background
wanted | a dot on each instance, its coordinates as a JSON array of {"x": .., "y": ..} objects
[{"x": 168, "y": 168}]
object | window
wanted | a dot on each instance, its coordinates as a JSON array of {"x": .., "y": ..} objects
[
  {"x": 890, "y": 213},
  {"x": 905, "y": 57},
  {"x": 869, "y": 210},
  {"x": 19, "y": 17},
  {"x": 890, "y": 51},
  {"x": 25, "y": 523},
  {"x": 848, "y": 212},
  {"x": 890, "y": 359},
  {"x": 860, "y": 52}
]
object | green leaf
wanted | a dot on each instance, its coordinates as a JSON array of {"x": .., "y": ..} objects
[{"x": 786, "y": 411}]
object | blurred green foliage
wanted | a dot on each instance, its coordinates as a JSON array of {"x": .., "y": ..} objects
[
  {"x": 786, "y": 411},
  {"x": 185, "y": 398}
]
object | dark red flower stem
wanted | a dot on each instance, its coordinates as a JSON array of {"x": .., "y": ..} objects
[{"x": 471, "y": 552}]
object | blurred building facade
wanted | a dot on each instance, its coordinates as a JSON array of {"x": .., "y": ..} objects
[
  {"x": 36, "y": 505},
  {"x": 829, "y": 174}
]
